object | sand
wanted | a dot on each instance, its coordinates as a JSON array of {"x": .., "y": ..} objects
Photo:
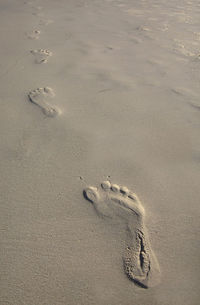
[{"x": 99, "y": 152}]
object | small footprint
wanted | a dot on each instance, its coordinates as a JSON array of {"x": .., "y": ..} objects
[
  {"x": 109, "y": 201},
  {"x": 41, "y": 55},
  {"x": 34, "y": 35},
  {"x": 45, "y": 22},
  {"x": 41, "y": 97}
]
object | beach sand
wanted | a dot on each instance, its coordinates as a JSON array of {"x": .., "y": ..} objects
[{"x": 99, "y": 152}]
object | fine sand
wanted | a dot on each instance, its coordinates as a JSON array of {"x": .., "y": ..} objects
[{"x": 99, "y": 152}]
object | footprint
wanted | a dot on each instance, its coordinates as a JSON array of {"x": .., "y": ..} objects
[
  {"x": 42, "y": 97},
  {"x": 34, "y": 35},
  {"x": 45, "y": 22},
  {"x": 110, "y": 200},
  {"x": 41, "y": 55}
]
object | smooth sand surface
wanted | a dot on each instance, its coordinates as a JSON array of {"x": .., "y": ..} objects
[{"x": 92, "y": 91}]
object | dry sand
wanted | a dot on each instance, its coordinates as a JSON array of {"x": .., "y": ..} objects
[{"x": 92, "y": 91}]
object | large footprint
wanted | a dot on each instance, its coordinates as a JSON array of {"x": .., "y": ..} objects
[{"x": 140, "y": 263}]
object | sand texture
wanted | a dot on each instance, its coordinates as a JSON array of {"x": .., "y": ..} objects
[{"x": 99, "y": 152}]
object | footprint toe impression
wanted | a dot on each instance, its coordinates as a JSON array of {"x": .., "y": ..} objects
[
  {"x": 91, "y": 194},
  {"x": 115, "y": 188}
]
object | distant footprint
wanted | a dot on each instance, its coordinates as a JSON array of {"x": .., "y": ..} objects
[
  {"x": 110, "y": 201},
  {"x": 45, "y": 22},
  {"x": 41, "y": 55},
  {"x": 41, "y": 97},
  {"x": 34, "y": 35}
]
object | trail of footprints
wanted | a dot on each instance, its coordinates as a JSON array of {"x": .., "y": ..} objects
[
  {"x": 42, "y": 97},
  {"x": 139, "y": 261},
  {"x": 110, "y": 200}
]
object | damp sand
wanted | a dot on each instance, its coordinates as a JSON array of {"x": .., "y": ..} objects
[{"x": 99, "y": 152}]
